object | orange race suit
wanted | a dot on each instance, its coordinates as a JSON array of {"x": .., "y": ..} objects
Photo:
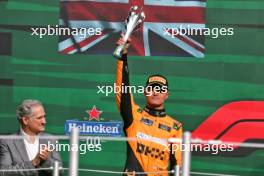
[{"x": 150, "y": 152}]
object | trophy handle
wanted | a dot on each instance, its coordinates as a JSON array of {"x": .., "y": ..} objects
[
  {"x": 133, "y": 21},
  {"x": 118, "y": 51}
]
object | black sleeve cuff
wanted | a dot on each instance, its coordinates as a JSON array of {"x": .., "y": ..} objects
[{"x": 123, "y": 58}]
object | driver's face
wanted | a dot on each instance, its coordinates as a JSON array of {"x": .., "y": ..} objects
[{"x": 156, "y": 96}]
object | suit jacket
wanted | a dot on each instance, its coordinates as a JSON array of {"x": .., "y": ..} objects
[{"x": 13, "y": 155}]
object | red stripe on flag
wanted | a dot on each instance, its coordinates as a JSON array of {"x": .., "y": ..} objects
[
  {"x": 117, "y": 12},
  {"x": 139, "y": 3},
  {"x": 174, "y": 14},
  {"x": 85, "y": 10},
  {"x": 138, "y": 44},
  {"x": 68, "y": 50}
]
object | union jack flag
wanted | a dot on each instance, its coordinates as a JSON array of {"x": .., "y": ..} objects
[{"x": 149, "y": 40}]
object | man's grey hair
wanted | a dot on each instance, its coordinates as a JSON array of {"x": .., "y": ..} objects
[{"x": 25, "y": 108}]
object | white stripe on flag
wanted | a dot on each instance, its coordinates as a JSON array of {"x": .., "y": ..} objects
[
  {"x": 68, "y": 42},
  {"x": 89, "y": 45},
  {"x": 94, "y": 24},
  {"x": 175, "y": 3}
]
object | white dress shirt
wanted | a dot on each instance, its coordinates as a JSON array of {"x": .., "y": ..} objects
[{"x": 31, "y": 148}]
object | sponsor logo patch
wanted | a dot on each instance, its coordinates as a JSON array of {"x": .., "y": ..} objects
[
  {"x": 176, "y": 126},
  {"x": 152, "y": 138},
  {"x": 164, "y": 127},
  {"x": 146, "y": 121}
]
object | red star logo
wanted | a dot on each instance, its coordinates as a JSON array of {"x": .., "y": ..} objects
[{"x": 94, "y": 113}]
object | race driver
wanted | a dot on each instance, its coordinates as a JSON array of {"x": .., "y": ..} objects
[{"x": 151, "y": 126}]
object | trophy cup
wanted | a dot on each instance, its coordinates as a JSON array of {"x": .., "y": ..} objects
[{"x": 134, "y": 20}]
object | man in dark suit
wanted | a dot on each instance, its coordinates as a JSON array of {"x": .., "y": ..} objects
[{"x": 25, "y": 153}]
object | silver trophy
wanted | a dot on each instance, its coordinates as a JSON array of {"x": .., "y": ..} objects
[{"x": 134, "y": 20}]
